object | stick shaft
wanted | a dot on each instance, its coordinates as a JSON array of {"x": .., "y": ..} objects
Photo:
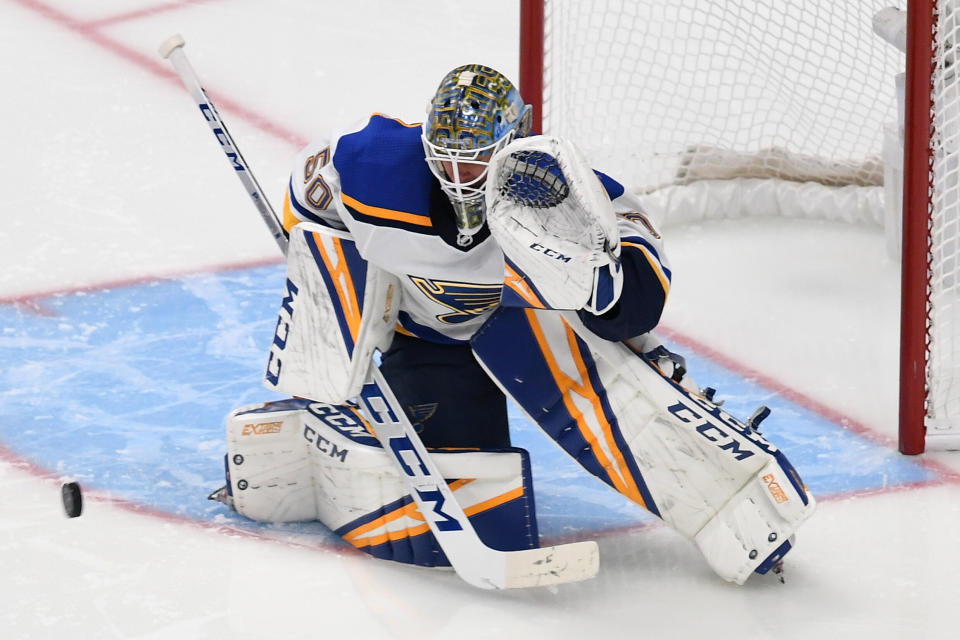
[
  {"x": 473, "y": 560},
  {"x": 190, "y": 80}
]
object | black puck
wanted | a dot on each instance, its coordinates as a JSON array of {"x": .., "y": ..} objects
[{"x": 72, "y": 499}]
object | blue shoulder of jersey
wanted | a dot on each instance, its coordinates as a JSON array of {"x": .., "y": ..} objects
[
  {"x": 614, "y": 189},
  {"x": 385, "y": 181},
  {"x": 384, "y": 178}
]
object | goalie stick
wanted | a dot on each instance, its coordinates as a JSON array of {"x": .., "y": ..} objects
[
  {"x": 172, "y": 50},
  {"x": 475, "y": 562}
]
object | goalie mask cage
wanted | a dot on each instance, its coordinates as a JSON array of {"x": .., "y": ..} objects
[{"x": 702, "y": 104}]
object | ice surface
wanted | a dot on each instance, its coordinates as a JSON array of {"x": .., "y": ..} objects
[{"x": 115, "y": 189}]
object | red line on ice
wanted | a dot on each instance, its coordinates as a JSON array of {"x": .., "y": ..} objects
[
  {"x": 143, "y": 13},
  {"x": 268, "y": 126},
  {"x": 90, "y": 32},
  {"x": 162, "y": 70},
  {"x": 34, "y": 301},
  {"x": 55, "y": 478},
  {"x": 836, "y": 417}
]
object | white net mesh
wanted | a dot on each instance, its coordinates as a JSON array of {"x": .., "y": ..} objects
[
  {"x": 661, "y": 94},
  {"x": 533, "y": 179},
  {"x": 654, "y": 91},
  {"x": 943, "y": 368}
]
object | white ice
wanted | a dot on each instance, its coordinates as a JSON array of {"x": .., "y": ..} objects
[{"x": 109, "y": 175}]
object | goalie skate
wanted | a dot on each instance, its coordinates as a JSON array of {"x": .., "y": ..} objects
[{"x": 222, "y": 495}]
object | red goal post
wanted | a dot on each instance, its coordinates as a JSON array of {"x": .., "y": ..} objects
[
  {"x": 752, "y": 102},
  {"x": 917, "y": 192}
]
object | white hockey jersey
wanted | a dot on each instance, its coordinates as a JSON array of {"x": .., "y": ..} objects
[{"x": 373, "y": 181}]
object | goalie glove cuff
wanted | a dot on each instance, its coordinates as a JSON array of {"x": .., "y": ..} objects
[{"x": 607, "y": 287}]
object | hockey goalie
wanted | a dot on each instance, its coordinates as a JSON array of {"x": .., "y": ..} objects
[{"x": 483, "y": 262}]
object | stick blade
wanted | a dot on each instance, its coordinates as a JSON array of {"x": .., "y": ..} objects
[{"x": 552, "y": 565}]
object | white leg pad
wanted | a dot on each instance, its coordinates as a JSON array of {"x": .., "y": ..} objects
[
  {"x": 713, "y": 478},
  {"x": 269, "y": 461},
  {"x": 336, "y": 310},
  {"x": 296, "y": 460},
  {"x": 753, "y": 526}
]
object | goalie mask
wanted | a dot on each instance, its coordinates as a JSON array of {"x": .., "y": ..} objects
[{"x": 475, "y": 112}]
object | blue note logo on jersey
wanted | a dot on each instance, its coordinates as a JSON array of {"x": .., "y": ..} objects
[{"x": 467, "y": 300}]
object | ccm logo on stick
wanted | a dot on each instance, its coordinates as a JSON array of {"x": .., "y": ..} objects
[
  {"x": 209, "y": 113},
  {"x": 413, "y": 466},
  {"x": 409, "y": 460}
]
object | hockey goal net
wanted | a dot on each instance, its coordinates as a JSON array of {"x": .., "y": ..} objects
[{"x": 762, "y": 107}]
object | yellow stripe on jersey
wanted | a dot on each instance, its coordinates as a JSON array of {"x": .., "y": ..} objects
[
  {"x": 617, "y": 470},
  {"x": 386, "y": 214},
  {"x": 398, "y": 120},
  {"x": 289, "y": 218},
  {"x": 654, "y": 264}
]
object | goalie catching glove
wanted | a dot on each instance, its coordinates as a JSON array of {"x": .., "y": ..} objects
[{"x": 556, "y": 226}]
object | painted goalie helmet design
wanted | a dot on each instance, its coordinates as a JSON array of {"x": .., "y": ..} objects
[{"x": 475, "y": 112}]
